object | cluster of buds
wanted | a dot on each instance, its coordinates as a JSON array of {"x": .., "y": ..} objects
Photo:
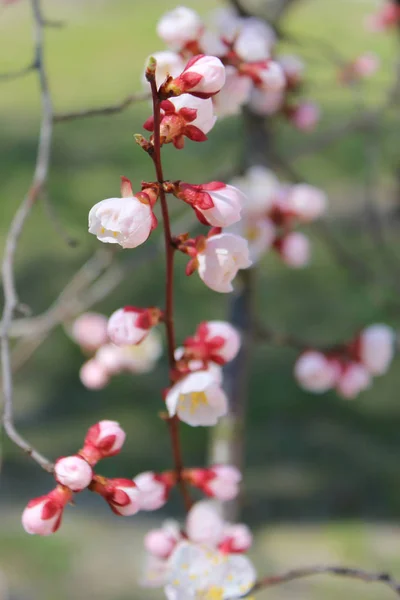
[
  {"x": 272, "y": 213},
  {"x": 244, "y": 45},
  {"x": 348, "y": 368},
  {"x": 203, "y": 527},
  {"x": 362, "y": 67},
  {"x": 387, "y": 17},
  {"x": 73, "y": 474},
  {"x": 197, "y": 397},
  {"x": 147, "y": 491},
  {"x": 125, "y": 343},
  {"x": 301, "y": 113}
]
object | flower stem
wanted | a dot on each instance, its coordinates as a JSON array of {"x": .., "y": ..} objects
[{"x": 173, "y": 422}]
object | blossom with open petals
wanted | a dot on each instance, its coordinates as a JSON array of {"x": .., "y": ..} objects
[
  {"x": 220, "y": 260},
  {"x": 197, "y": 399},
  {"x": 179, "y": 26}
]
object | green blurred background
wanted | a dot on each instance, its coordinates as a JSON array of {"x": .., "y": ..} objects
[{"x": 322, "y": 479}]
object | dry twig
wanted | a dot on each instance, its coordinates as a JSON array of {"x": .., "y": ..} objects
[
  {"x": 8, "y": 275},
  {"x": 359, "y": 574}
]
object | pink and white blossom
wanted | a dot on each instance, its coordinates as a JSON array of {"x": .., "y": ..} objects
[
  {"x": 121, "y": 495},
  {"x": 220, "y": 481},
  {"x": 197, "y": 400},
  {"x": 254, "y": 40},
  {"x": 266, "y": 102},
  {"x": 42, "y": 516},
  {"x": 197, "y": 364},
  {"x": 129, "y": 325},
  {"x": 376, "y": 348},
  {"x": 221, "y": 259},
  {"x": 203, "y": 77},
  {"x": 237, "y": 538},
  {"x": 315, "y": 372},
  {"x": 184, "y": 116},
  {"x": 366, "y": 64},
  {"x": 260, "y": 186},
  {"x": 73, "y": 472},
  {"x": 124, "y": 221},
  {"x": 305, "y": 116},
  {"x": 153, "y": 490},
  {"x": 260, "y": 234},
  {"x": 271, "y": 76},
  {"x": 294, "y": 249},
  {"x": 216, "y": 341},
  {"x": 179, "y": 26},
  {"x": 353, "y": 380},
  {"x": 219, "y": 204},
  {"x": 93, "y": 375},
  {"x": 110, "y": 357},
  {"x": 161, "y": 542},
  {"x": 104, "y": 439},
  {"x": 204, "y": 524},
  {"x": 235, "y": 93},
  {"x": 308, "y": 202},
  {"x": 143, "y": 357},
  {"x": 89, "y": 330}
]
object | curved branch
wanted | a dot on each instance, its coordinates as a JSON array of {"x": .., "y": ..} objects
[
  {"x": 351, "y": 573},
  {"x": 8, "y": 275},
  {"x": 102, "y": 110}
]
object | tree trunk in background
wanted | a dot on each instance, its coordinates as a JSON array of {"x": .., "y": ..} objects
[{"x": 227, "y": 443}]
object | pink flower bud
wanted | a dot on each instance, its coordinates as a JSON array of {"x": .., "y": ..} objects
[
  {"x": 307, "y": 202},
  {"x": 125, "y": 221},
  {"x": 219, "y": 204},
  {"x": 93, "y": 375},
  {"x": 315, "y": 372},
  {"x": 366, "y": 65},
  {"x": 104, "y": 439},
  {"x": 122, "y": 495},
  {"x": 159, "y": 543},
  {"x": 129, "y": 325},
  {"x": 153, "y": 489},
  {"x": 204, "y": 525},
  {"x": 294, "y": 249},
  {"x": 203, "y": 77},
  {"x": 90, "y": 331},
  {"x": 220, "y": 481},
  {"x": 73, "y": 472},
  {"x": 220, "y": 260},
  {"x": 43, "y": 515},
  {"x": 110, "y": 357},
  {"x": 305, "y": 116},
  {"x": 179, "y": 26},
  {"x": 376, "y": 348},
  {"x": 237, "y": 538},
  {"x": 387, "y": 17},
  {"x": 353, "y": 380},
  {"x": 215, "y": 341},
  {"x": 184, "y": 116}
]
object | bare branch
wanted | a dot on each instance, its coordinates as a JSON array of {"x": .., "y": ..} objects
[
  {"x": 8, "y": 276},
  {"x": 102, "y": 110},
  {"x": 17, "y": 74},
  {"x": 359, "y": 574}
]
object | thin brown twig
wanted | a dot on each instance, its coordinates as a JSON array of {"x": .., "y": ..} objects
[
  {"x": 359, "y": 574},
  {"x": 12, "y": 75},
  {"x": 8, "y": 275},
  {"x": 102, "y": 110}
]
